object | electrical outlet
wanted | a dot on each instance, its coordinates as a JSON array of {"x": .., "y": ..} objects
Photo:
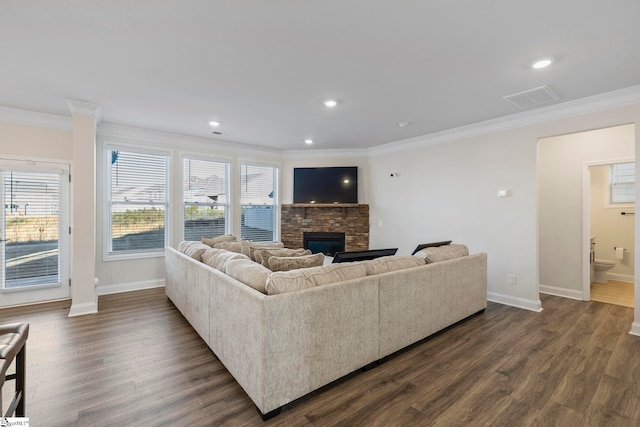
[{"x": 513, "y": 279}]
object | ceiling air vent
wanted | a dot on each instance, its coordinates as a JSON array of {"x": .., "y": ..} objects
[{"x": 532, "y": 97}]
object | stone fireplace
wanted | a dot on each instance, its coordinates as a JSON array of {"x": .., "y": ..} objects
[{"x": 350, "y": 219}]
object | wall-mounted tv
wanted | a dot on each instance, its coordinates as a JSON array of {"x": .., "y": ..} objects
[{"x": 325, "y": 185}]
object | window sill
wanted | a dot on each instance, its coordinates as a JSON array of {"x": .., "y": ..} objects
[{"x": 110, "y": 257}]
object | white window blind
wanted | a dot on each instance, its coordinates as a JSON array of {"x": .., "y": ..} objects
[
  {"x": 138, "y": 201},
  {"x": 623, "y": 182},
  {"x": 31, "y": 244},
  {"x": 258, "y": 198},
  {"x": 205, "y": 196}
]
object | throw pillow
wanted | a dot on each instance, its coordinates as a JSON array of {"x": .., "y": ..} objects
[
  {"x": 217, "y": 258},
  {"x": 229, "y": 246},
  {"x": 219, "y": 239},
  {"x": 193, "y": 249},
  {"x": 249, "y": 247},
  {"x": 442, "y": 253},
  {"x": 286, "y": 263},
  {"x": 248, "y": 272},
  {"x": 262, "y": 255}
]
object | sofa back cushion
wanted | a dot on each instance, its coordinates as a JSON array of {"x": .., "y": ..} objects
[
  {"x": 193, "y": 249},
  {"x": 442, "y": 253},
  {"x": 218, "y": 239},
  {"x": 262, "y": 255},
  {"x": 229, "y": 246},
  {"x": 391, "y": 263},
  {"x": 290, "y": 281},
  {"x": 248, "y": 272},
  {"x": 217, "y": 258},
  {"x": 249, "y": 247},
  {"x": 286, "y": 263}
]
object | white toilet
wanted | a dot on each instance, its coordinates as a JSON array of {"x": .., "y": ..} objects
[{"x": 602, "y": 266}]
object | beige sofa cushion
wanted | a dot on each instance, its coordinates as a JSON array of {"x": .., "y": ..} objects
[
  {"x": 217, "y": 258},
  {"x": 262, "y": 255},
  {"x": 248, "y": 272},
  {"x": 249, "y": 247},
  {"x": 193, "y": 249},
  {"x": 391, "y": 263},
  {"x": 219, "y": 239},
  {"x": 286, "y": 263},
  {"x": 289, "y": 281},
  {"x": 442, "y": 253},
  {"x": 229, "y": 246}
]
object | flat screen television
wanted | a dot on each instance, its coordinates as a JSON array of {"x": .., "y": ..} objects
[
  {"x": 325, "y": 185},
  {"x": 363, "y": 255}
]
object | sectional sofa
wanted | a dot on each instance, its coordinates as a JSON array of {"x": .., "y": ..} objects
[{"x": 320, "y": 323}]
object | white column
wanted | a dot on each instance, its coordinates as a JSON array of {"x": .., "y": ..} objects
[{"x": 84, "y": 298}]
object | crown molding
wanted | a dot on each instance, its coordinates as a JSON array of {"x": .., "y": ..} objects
[
  {"x": 592, "y": 104},
  {"x": 34, "y": 118},
  {"x": 84, "y": 109},
  {"x": 135, "y": 134}
]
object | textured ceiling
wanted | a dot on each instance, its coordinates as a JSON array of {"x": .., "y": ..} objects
[{"x": 262, "y": 68}]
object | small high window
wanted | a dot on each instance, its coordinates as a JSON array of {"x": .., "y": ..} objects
[{"x": 622, "y": 183}]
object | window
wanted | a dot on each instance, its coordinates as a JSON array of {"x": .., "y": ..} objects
[
  {"x": 258, "y": 199},
  {"x": 205, "y": 195},
  {"x": 622, "y": 183},
  {"x": 137, "y": 201}
]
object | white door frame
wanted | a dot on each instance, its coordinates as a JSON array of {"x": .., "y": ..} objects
[
  {"x": 586, "y": 221},
  {"x": 60, "y": 290}
]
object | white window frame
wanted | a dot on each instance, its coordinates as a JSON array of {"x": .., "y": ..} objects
[
  {"x": 229, "y": 199},
  {"x": 276, "y": 196},
  {"x": 108, "y": 255},
  {"x": 610, "y": 188}
]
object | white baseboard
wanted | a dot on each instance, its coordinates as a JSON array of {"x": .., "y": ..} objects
[
  {"x": 635, "y": 329},
  {"x": 82, "y": 309},
  {"x": 620, "y": 277},
  {"x": 128, "y": 287},
  {"x": 515, "y": 301},
  {"x": 561, "y": 292}
]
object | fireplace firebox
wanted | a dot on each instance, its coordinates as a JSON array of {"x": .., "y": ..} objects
[{"x": 326, "y": 243}]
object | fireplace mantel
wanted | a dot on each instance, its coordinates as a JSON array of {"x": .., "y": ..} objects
[
  {"x": 349, "y": 218},
  {"x": 343, "y": 206}
]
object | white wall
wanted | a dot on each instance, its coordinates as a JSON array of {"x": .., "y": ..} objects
[
  {"x": 610, "y": 227},
  {"x": 562, "y": 163},
  {"x": 447, "y": 190},
  {"x": 28, "y": 141}
]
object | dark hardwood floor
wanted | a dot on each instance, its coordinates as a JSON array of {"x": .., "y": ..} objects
[{"x": 138, "y": 363}]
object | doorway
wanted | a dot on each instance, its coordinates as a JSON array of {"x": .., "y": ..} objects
[
  {"x": 610, "y": 224},
  {"x": 34, "y": 232}
]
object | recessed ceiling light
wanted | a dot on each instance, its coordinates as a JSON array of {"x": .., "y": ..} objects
[
  {"x": 403, "y": 124},
  {"x": 214, "y": 123},
  {"x": 330, "y": 103},
  {"x": 542, "y": 63},
  {"x": 308, "y": 141}
]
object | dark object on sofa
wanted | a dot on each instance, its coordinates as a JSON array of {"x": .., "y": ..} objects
[
  {"x": 430, "y": 245},
  {"x": 363, "y": 255}
]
